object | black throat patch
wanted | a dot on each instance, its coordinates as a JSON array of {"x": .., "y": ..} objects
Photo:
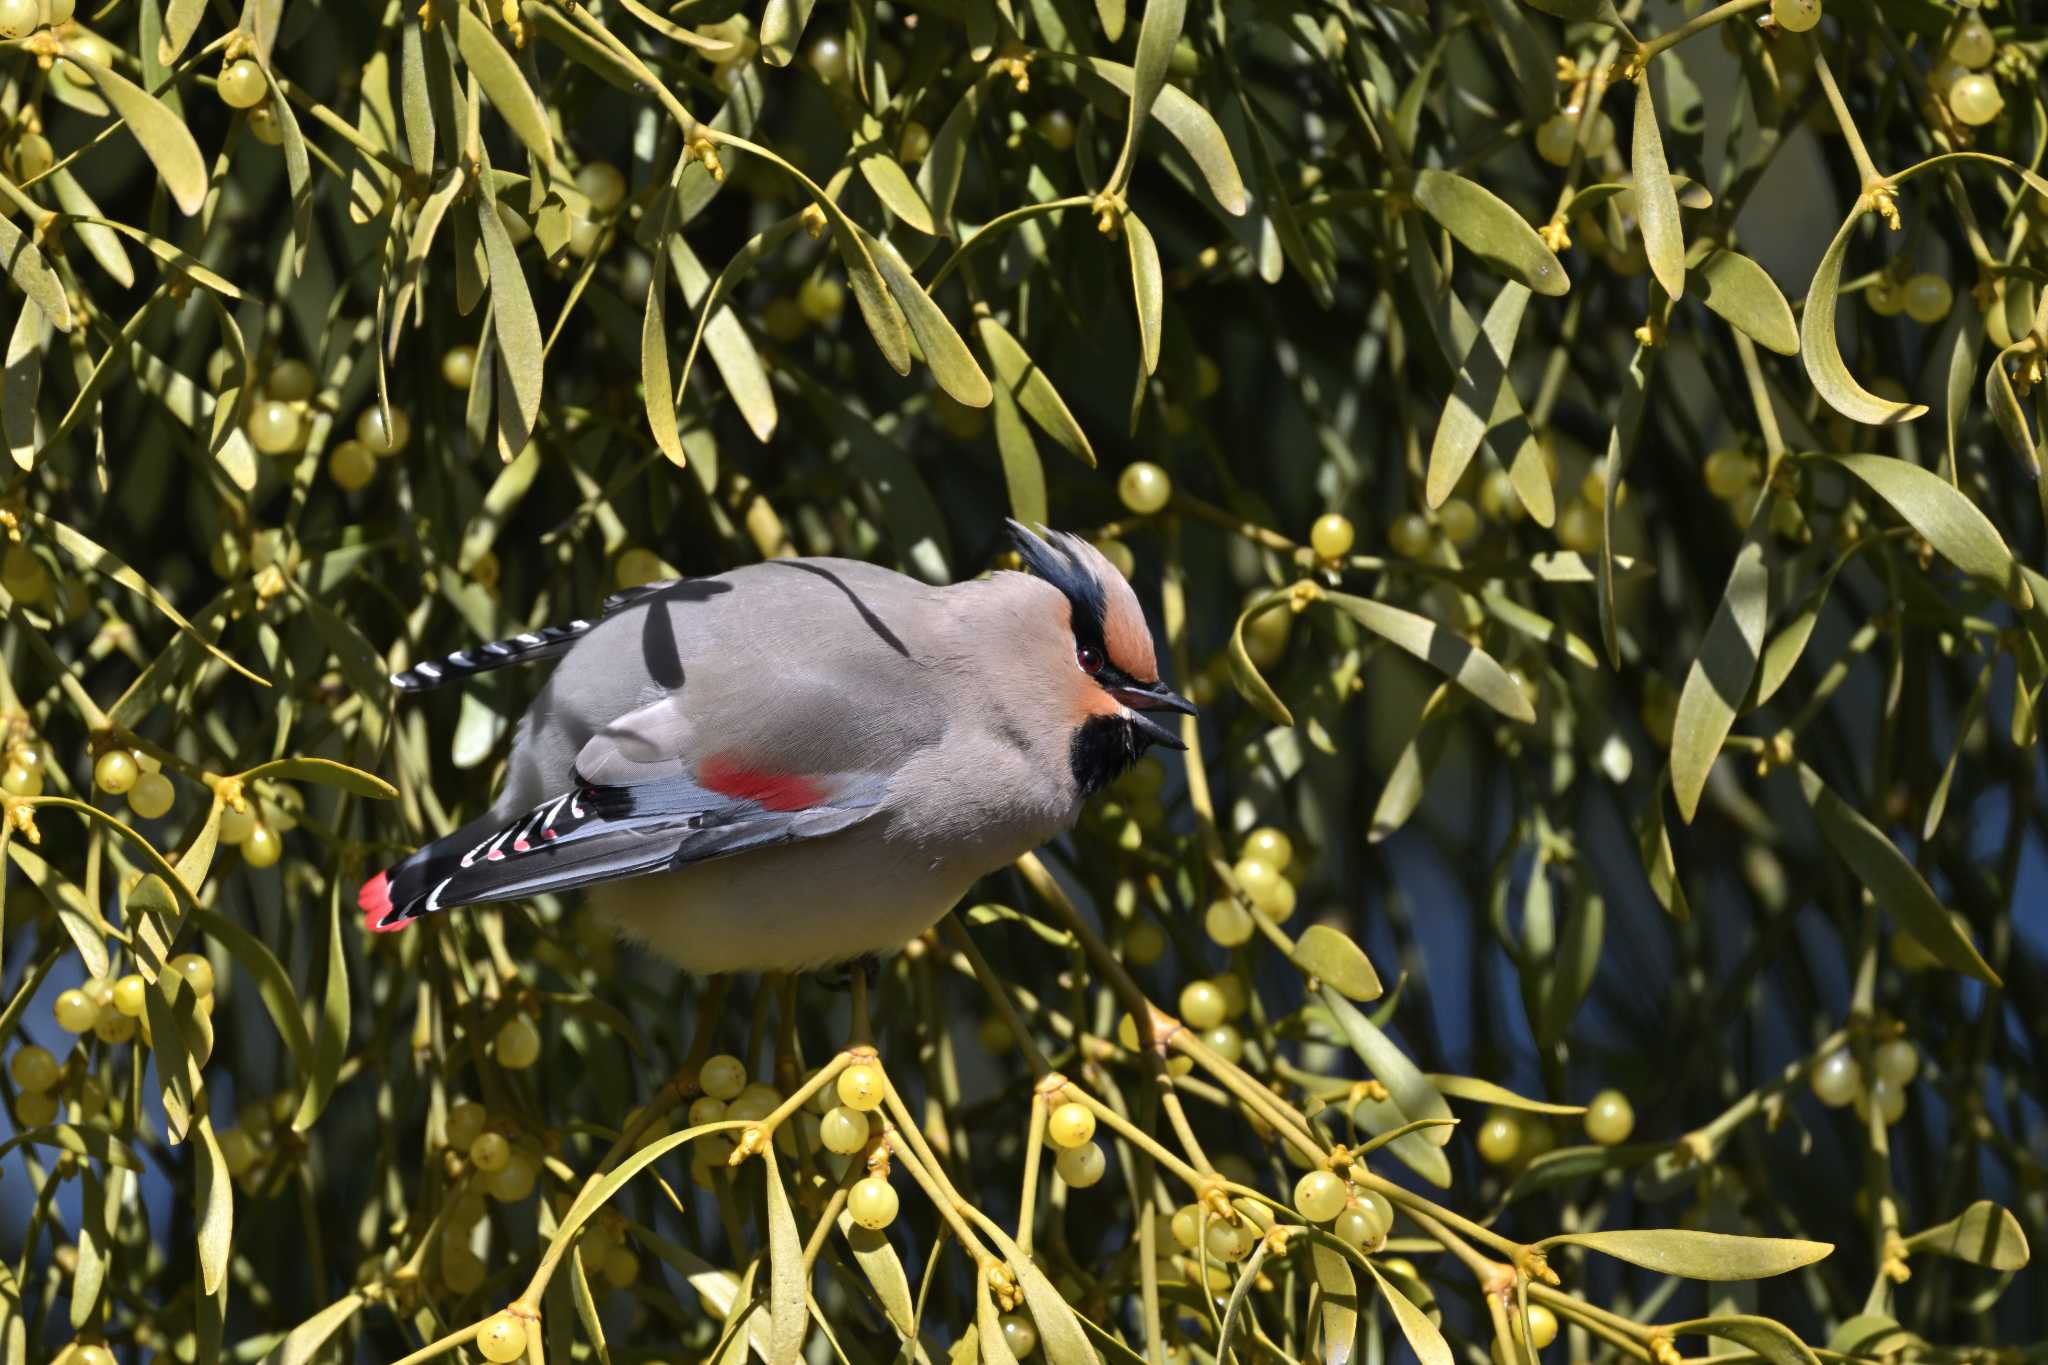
[{"x": 1103, "y": 749}]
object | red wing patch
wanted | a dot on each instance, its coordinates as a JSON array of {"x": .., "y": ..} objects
[
  {"x": 774, "y": 791},
  {"x": 375, "y": 900}
]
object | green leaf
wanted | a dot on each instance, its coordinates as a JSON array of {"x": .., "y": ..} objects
[
  {"x": 1746, "y": 297},
  {"x": 33, "y": 277},
  {"x": 162, "y": 134},
  {"x": 330, "y": 1049},
  {"x": 1020, "y": 375},
  {"x": 1973, "y": 712},
  {"x": 78, "y": 915},
  {"x": 326, "y": 772},
  {"x": 214, "y": 1206},
  {"x": 1339, "y": 1304},
  {"x": 1951, "y": 523},
  {"x": 1983, "y": 1234},
  {"x": 892, "y": 185},
  {"x": 504, "y": 84},
  {"x": 951, "y": 362},
  {"x": 1023, "y": 471},
  {"x": 938, "y": 179},
  {"x": 1488, "y": 227},
  {"x": 782, "y": 27},
  {"x": 1899, "y": 890},
  {"x": 1245, "y": 674},
  {"x": 1148, "y": 287},
  {"x": 580, "y": 47},
  {"x": 1570, "y": 974},
  {"x": 1418, "y": 759},
  {"x": 302, "y": 1344},
  {"x": 1158, "y": 33},
  {"x": 2007, "y": 414},
  {"x": 1656, "y": 199},
  {"x": 298, "y": 170},
  {"x": 1412, "y": 1092},
  {"x": 22, "y": 383},
  {"x": 878, "y": 1261},
  {"x": 181, "y": 19},
  {"x": 1486, "y": 1092},
  {"x": 1327, "y": 953},
  {"x": 521, "y": 356},
  {"x": 1698, "y": 1255},
  {"x": 1481, "y": 397},
  {"x": 746, "y": 379},
  {"x": 1189, "y": 124},
  {"x": 1822, "y": 352},
  {"x": 1423, "y": 1337},
  {"x": 93, "y": 1143},
  {"x": 273, "y": 985},
  {"x": 787, "y": 1289},
  {"x": 416, "y": 99},
  {"x": 1772, "y": 1341},
  {"x": 1720, "y": 676},
  {"x": 103, "y": 243},
  {"x": 1472, "y": 669},
  {"x": 1060, "y": 1335}
]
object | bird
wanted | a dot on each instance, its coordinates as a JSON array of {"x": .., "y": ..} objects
[{"x": 800, "y": 762}]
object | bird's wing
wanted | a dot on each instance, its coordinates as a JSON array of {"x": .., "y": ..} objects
[
  {"x": 549, "y": 642},
  {"x": 599, "y": 833}
]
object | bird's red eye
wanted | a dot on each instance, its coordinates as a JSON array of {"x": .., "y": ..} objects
[{"x": 1089, "y": 657}]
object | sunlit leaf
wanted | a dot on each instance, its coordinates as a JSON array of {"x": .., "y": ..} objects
[
  {"x": 1696, "y": 1255},
  {"x": 161, "y": 133},
  {"x": 1488, "y": 227},
  {"x": 1472, "y": 669},
  {"x": 1720, "y": 675},
  {"x": 1656, "y": 199},
  {"x": 1983, "y": 1234}
]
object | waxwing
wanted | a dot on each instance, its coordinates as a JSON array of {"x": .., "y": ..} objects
[{"x": 803, "y": 761}]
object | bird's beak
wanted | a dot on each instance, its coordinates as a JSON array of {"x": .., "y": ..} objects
[{"x": 1157, "y": 697}]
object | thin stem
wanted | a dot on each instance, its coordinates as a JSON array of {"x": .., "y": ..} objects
[{"x": 1698, "y": 24}]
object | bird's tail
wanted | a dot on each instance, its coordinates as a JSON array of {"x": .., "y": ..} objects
[
  {"x": 401, "y": 893},
  {"x": 531, "y": 647}
]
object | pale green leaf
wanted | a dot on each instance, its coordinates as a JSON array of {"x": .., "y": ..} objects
[
  {"x": 1772, "y": 1341},
  {"x": 1486, "y": 1092},
  {"x": 1148, "y": 286},
  {"x": 952, "y": 364},
  {"x": 1481, "y": 397},
  {"x": 1328, "y": 954},
  {"x": 1983, "y": 1234},
  {"x": 504, "y": 84},
  {"x": 214, "y": 1208},
  {"x": 1697, "y": 1255},
  {"x": 1422, "y": 1335},
  {"x": 1939, "y": 511},
  {"x": 1020, "y": 375},
  {"x": 1245, "y": 674},
  {"x": 162, "y": 134},
  {"x": 1822, "y": 352},
  {"x": 33, "y": 277},
  {"x": 1656, "y": 198},
  {"x": 1192, "y": 126},
  {"x": 1488, "y": 227},
  {"x": 1720, "y": 676},
  {"x": 1472, "y": 669},
  {"x": 324, "y": 771},
  {"x": 1746, "y": 297}
]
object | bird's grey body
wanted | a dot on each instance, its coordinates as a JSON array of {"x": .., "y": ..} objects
[
  {"x": 697, "y": 670},
  {"x": 800, "y": 761}
]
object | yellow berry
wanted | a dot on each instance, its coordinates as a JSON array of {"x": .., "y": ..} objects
[
  {"x": 1225, "y": 1041},
  {"x": 1972, "y": 44},
  {"x": 276, "y": 427},
  {"x": 1144, "y": 943},
  {"x": 783, "y": 319},
  {"x": 844, "y": 1130},
  {"x": 514, "y": 1181},
  {"x": 458, "y": 366},
  {"x": 24, "y": 576},
  {"x": 915, "y": 143},
  {"x": 1610, "y": 1118},
  {"x": 490, "y": 1152},
  {"x": 1227, "y": 923},
  {"x": 241, "y": 84},
  {"x": 382, "y": 440},
  {"x": 290, "y": 381},
  {"x": 1202, "y": 1006},
  {"x": 1837, "y": 1079},
  {"x": 1186, "y": 1225},
  {"x": 638, "y": 566},
  {"x": 1410, "y": 536},
  {"x": 34, "y": 1108},
  {"x": 1208, "y": 377},
  {"x": 1081, "y": 1166},
  {"x": 1332, "y": 536},
  {"x": 518, "y": 1043},
  {"x": 1887, "y": 1096},
  {"x": 113, "y": 1027},
  {"x": 1795, "y": 16},
  {"x": 1498, "y": 499},
  {"x": 822, "y": 299},
  {"x": 621, "y": 1267},
  {"x": 75, "y": 1011},
  {"x": 18, "y": 18},
  {"x": 21, "y": 780},
  {"x": 1144, "y": 487},
  {"x": 263, "y": 847},
  {"x": 1500, "y": 1139},
  {"x": 872, "y": 1202},
  {"x": 1070, "y": 1125},
  {"x": 237, "y": 1148},
  {"x": 1354, "y": 1227},
  {"x": 466, "y": 1119},
  {"x": 1730, "y": 474},
  {"x": 1556, "y": 136},
  {"x": 602, "y": 184},
  {"x": 1057, "y": 129},
  {"x": 1320, "y": 1196},
  {"x": 33, "y": 1068},
  {"x": 1578, "y": 528},
  {"x": 33, "y": 155},
  {"x": 862, "y": 1087},
  {"x": 151, "y": 795},
  {"x": 115, "y": 772},
  {"x": 1886, "y": 297},
  {"x": 461, "y": 1271},
  {"x": 263, "y": 122},
  {"x": 1928, "y": 298},
  {"x": 503, "y": 1339},
  {"x": 131, "y": 995},
  {"x": 827, "y": 57},
  {"x": 723, "y": 1077},
  {"x": 1228, "y": 1241},
  {"x": 197, "y": 971},
  {"x": 1975, "y": 99},
  {"x": 1895, "y": 1060},
  {"x": 1542, "y": 1325},
  {"x": 1018, "y": 1334},
  {"x": 352, "y": 466}
]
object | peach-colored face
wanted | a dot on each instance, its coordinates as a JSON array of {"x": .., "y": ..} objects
[{"x": 1124, "y": 630}]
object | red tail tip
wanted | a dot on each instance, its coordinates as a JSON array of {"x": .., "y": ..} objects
[{"x": 375, "y": 900}]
